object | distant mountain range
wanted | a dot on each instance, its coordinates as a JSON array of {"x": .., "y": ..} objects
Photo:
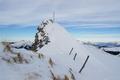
[{"x": 109, "y": 47}]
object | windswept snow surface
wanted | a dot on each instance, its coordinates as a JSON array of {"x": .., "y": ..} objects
[{"x": 100, "y": 66}]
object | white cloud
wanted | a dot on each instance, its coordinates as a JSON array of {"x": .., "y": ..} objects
[
  {"x": 91, "y": 25},
  {"x": 99, "y": 39},
  {"x": 33, "y": 11}
]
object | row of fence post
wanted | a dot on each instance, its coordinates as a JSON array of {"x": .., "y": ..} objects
[{"x": 75, "y": 58}]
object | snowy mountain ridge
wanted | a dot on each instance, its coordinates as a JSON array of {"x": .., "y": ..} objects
[
  {"x": 60, "y": 59},
  {"x": 109, "y": 47}
]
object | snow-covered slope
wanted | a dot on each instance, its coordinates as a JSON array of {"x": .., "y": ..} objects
[
  {"x": 55, "y": 62},
  {"x": 22, "y": 44}
]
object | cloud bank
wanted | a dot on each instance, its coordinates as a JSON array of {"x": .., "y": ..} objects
[{"x": 75, "y": 11}]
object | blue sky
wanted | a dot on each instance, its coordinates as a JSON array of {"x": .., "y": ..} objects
[
  {"x": 86, "y": 20},
  {"x": 15, "y": 33}
]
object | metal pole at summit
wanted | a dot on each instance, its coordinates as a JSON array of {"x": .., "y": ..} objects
[{"x": 53, "y": 16}]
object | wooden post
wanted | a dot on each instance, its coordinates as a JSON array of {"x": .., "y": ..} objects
[
  {"x": 70, "y": 51},
  {"x": 75, "y": 56},
  {"x": 84, "y": 64}
]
